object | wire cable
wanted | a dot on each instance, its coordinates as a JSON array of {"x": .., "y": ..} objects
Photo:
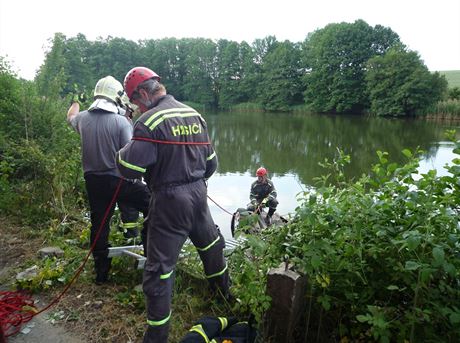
[{"x": 223, "y": 209}]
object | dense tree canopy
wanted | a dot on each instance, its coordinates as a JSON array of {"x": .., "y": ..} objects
[
  {"x": 336, "y": 57},
  {"x": 281, "y": 77},
  {"x": 398, "y": 83},
  {"x": 326, "y": 73}
]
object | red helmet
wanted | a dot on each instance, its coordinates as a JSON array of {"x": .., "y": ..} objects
[
  {"x": 261, "y": 171},
  {"x": 136, "y": 76}
]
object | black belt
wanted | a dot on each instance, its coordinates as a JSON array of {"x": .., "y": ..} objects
[{"x": 171, "y": 185}]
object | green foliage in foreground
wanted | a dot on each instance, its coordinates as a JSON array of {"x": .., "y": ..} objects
[
  {"x": 40, "y": 168},
  {"x": 381, "y": 255}
]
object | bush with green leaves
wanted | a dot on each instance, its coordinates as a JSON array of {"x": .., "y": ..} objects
[
  {"x": 454, "y": 93},
  {"x": 40, "y": 164},
  {"x": 382, "y": 254},
  {"x": 52, "y": 271}
]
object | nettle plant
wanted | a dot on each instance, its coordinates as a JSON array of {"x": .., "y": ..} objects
[
  {"x": 50, "y": 272},
  {"x": 382, "y": 254}
]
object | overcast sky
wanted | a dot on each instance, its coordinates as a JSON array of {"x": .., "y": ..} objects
[{"x": 432, "y": 28}]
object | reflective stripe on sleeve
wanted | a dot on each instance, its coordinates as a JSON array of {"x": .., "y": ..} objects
[
  {"x": 159, "y": 322},
  {"x": 199, "y": 329},
  {"x": 223, "y": 323},
  {"x": 166, "y": 276},
  {"x": 130, "y": 166},
  {"x": 211, "y": 156},
  {"x": 209, "y": 246},
  {"x": 216, "y": 274}
]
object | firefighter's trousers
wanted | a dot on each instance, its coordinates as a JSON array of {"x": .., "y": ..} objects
[
  {"x": 100, "y": 189},
  {"x": 176, "y": 213}
]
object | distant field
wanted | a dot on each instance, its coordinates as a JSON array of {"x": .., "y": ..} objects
[{"x": 453, "y": 77}]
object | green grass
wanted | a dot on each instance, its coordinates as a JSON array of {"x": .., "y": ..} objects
[{"x": 453, "y": 77}]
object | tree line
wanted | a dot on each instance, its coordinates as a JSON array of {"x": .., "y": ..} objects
[{"x": 341, "y": 68}]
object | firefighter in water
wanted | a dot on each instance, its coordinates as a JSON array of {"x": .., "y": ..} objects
[
  {"x": 103, "y": 132},
  {"x": 263, "y": 194},
  {"x": 171, "y": 149}
]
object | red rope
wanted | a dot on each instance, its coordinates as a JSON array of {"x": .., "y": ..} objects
[
  {"x": 168, "y": 142},
  {"x": 12, "y": 314},
  {"x": 16, "y": 308}
]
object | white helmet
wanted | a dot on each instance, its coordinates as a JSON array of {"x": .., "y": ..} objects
[
  {"x": 107, "y": 94},
  {"x": 108, "y": 88}
]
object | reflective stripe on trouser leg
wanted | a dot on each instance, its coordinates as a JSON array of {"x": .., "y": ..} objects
[
  {"x": 130, "y": 225},
  {"x": 214, "y": 264},
  {"x": 157, "y": 287}
]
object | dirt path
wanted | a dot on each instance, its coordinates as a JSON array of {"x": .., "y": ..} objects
[
  {"x": 14, "y": 249},
  {"x": 41, "y": 330}
]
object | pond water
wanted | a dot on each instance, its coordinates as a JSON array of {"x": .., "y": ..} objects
[{"x": 291, "y": 147}]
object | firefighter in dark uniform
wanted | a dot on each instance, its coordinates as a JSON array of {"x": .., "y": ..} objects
[
  {"x": 171, "y": 148},
  {"x": 263, "y": 194},
  {"x": 220, "y": 330}
]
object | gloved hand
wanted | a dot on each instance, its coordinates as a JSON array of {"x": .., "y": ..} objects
[
  {"x": 80, "y": 98},
  {"x": 78, "y": 95},
  {"x": 264, "y": 202}
]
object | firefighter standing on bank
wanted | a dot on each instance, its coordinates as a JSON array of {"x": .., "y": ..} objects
[
  {"x": 103, "y": 132},
  {"x": 171, "y": 148},
  {"x": 263, "y": 194}
]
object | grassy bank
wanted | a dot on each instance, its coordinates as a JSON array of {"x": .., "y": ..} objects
[
  {"x": 445, "y": 110},
  {"x": 114, "y": 312},
  {"x": 452, "y": 77}
]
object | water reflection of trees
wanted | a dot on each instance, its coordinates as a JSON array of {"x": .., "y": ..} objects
[{"x": 295, "y": 144}]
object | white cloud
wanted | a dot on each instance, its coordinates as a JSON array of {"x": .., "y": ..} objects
[{"x": 430, "y": 27}]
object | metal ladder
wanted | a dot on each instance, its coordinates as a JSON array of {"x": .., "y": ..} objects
[{"x": 130, "y": 250}]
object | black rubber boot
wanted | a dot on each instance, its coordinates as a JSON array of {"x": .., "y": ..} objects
[
  {"x": 157, "y": 334},
  {"x": 102, "y": 266},
  {"x": 268, "y": 217},
  {"x": 268, "y": 220}
]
